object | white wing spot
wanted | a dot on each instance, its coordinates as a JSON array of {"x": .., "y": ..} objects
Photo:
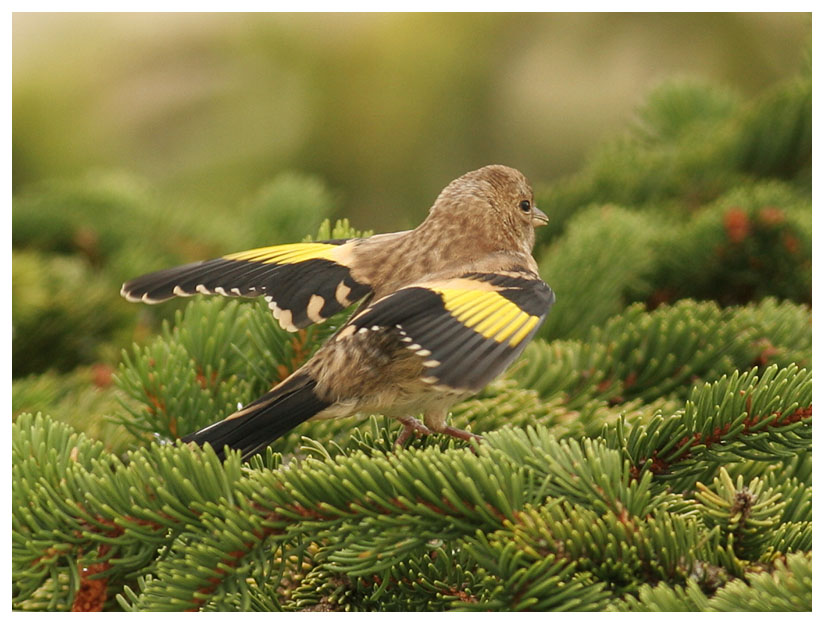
[
  {"x": 431, "y": 363},
  {"x": 203, "y": 290},
  {"x": 316, "y": 303},
  {"x": 342, "y": 292},
  {"x": 423, "y": 352},
  {"x": 284, "y": 317},
  {"x": 285, "y": 320}
]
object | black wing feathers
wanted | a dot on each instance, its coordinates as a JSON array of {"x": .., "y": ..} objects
[
  {"x": 466, "y": 330},
  {"x": 304, "y": 283}
]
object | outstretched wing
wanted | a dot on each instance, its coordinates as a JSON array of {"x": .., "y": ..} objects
[
  {"x": 467, "y": 329},
  {"x": 304, "y": 283}
]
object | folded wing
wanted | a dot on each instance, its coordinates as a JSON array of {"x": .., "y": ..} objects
[{"x": 467, "y": 329}]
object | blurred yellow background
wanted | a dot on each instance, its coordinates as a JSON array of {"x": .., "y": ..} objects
[{"x": 386, "y": 108}]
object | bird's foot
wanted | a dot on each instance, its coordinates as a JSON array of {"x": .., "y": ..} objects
[
  {"x": 411, "y": 426},
  {"x": 462, "y": 434},
  {"x": 414, "y": 426}
]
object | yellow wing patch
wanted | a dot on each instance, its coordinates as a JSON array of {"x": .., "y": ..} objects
[
  {"x": 287, "y": 254},
  {"x": 488, "y": 313},
  {"x": 465, "y": 330}
]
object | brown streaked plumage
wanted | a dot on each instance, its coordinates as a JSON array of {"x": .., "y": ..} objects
[{"x": 445, "y": 308}]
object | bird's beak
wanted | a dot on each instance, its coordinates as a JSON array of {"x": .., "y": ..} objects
[{"x": 539, "y": 218}]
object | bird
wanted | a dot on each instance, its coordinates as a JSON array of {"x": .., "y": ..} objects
[{"x": 444, "y": 309}]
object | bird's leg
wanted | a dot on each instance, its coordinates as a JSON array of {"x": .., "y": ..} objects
[{"x": 411, "y": 426}]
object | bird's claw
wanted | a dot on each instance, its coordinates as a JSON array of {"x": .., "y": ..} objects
[
  {"x": 414, "y": 426},
  {"x": 462, "y": 434},
  {"x": 411, "y": 426}
]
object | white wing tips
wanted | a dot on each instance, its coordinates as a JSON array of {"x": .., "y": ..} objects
[{"x": 144, "y": 298}]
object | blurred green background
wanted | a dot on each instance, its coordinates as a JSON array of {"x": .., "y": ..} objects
[
  {"x": 384, "y": 108},
  {"x": 671, "y": 151}
]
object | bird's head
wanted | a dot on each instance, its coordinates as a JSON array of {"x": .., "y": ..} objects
[{"x": 496, "y": 203}]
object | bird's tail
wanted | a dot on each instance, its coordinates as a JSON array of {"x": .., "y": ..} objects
[{"x": 269, "y": 417}]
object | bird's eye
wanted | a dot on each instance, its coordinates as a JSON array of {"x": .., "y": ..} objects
[{"x": 525, "y": 206}]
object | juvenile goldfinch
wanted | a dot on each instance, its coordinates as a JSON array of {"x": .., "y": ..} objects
[{"x": 446, "y": 308}]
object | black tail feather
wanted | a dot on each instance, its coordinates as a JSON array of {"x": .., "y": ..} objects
[{"x": 267, "y": 418}]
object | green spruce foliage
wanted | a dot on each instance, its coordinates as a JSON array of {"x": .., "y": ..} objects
[{"x": 650, "y": 451}]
